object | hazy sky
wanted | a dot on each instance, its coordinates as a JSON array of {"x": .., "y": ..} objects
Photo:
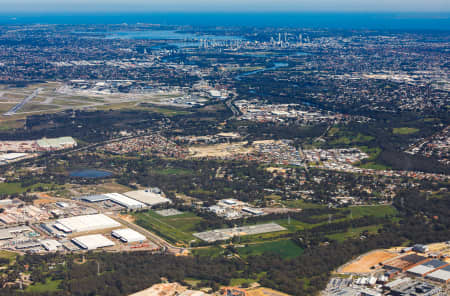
[{"x": 223, "y": 5}]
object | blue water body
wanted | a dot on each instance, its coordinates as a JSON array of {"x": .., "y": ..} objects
[
  {"x": 391, "y": 21},
  {"x": 164, "y": 35},
  {"x": 90, "y": 173},
  {"x": 275, "y": 66}
]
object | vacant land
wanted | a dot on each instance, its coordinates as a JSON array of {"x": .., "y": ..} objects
[
  {"x": 404, "y": 130},
  {"x": 11, "y": 256},
  {"x": 364, "y": 263},
  {"x": 265, "y": 292},
  {"x": 49, "y": 286},
  {"x": 13, "y": 188},
  {"x": 284, "y": 248},
  {"x": 219, "y": 150},
  {"x": 354, "y": 232},
  {"x": 376, "y": 211},
  {"x": 177, "y": 229}
]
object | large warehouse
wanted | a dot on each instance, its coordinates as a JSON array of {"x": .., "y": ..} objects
[
  {"x": 440, "y": 275},
  {"x": 128, "y": 235},
  {"x": 427, "y": 267},
  {"x": 85, "y": 223},
  {"x": 125, "y": 201},
  {"x": 148, "y": 197},
  {"x": 92, "y": 242},
  {"x": 118, "y": 198}
]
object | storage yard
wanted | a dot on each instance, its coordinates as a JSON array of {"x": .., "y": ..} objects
[
  {"x": 227, "y": 233},
  {"x": 41, "y": 145}
]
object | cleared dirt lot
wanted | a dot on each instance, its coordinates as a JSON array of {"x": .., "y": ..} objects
[
  {"x": 364, "y": 263},
  {"x": 219, "y": 150}
]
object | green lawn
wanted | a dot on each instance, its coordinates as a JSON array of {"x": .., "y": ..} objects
[
  {"x": 49, "y": 286},
  {"x": 284, "y": 248},
  {"x": 404, "y": 130},
  {"x": 177, "y": 228}
]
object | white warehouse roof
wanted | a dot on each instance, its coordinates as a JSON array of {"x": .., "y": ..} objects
[
  {"x": 147, "y": 197},
  {"x": 426, "y": 267},
  {"x": 51, "y": 245},
  {"x": 442, "y": 275},
  {"x": 128, "y": 235},
  {"x": 86, "y": 223},
  {"x": 125, "y": 201},
  {"x": 92, "y": 242}
]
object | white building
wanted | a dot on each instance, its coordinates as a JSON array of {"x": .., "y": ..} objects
[
  {"x": 128, "y": 235},
  {"x": 85, "y": 223},
  {"x": 148, "y": 197},
  {"x": 125, "y": 201},
  {"x": 51, "y": 245},
  {"x": 92, "y": 242}
]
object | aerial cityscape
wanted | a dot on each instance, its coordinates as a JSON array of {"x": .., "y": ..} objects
[{"x": 177, "y": 156}]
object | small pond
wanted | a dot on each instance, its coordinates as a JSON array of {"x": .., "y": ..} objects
[{"x": 90, "y": 173}]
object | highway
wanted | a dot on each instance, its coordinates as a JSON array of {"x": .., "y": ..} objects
[{"x": 19, "y": 106}]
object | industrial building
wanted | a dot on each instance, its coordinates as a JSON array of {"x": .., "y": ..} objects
[
  {"x": 51, "y": 245},
  {"x": 426, "y": 267},
  {"x": 441, "y": 275},
  {"x": 406, "y": 262},
  {"x": 147, "y": 196},
  {"x": 56, "y": 143},
  {"x": 125, "y": 201},
  {"x": 92, "y": 242},
  {"x": 128, "y": 235},
  {"x": 11, "y": 232},
  {"x": 117, "y": 198},
  {"x": 420, "y": 248},
  {"x": 85, "y": 223},
  {"x": 407, "y": 287},
  {"x": 252, "y": 211}
]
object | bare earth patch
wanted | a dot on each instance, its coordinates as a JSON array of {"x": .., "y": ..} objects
[{"x": 364, "y": 263}]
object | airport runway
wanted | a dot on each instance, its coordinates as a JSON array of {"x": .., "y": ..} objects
[{"x": 17, "y": 107}]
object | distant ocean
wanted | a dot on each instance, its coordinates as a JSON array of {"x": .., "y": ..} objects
[{"x": 388, "y": 21}]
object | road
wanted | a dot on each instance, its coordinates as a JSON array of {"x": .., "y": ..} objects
[
  {"x": 17, "y": 107},
  {"x": 233, "y": 108}
]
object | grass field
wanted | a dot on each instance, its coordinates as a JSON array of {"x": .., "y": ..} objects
[
  {"x": 210, "y": 252},
  {"x": 12, "y": 188},
  {"x": 299, "y": 203},
  {"x": 377, "y": 211},
  {"x": 49, "y": 286},
  {"x": 353, "y": 233},
  {"x": 404, "y": 130},
  {"x": 350, "y": 139},
  {"x": 284, "y": 248},
  {"x": 374, "y": 166},
  {"x": 177, "y": 228}
]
